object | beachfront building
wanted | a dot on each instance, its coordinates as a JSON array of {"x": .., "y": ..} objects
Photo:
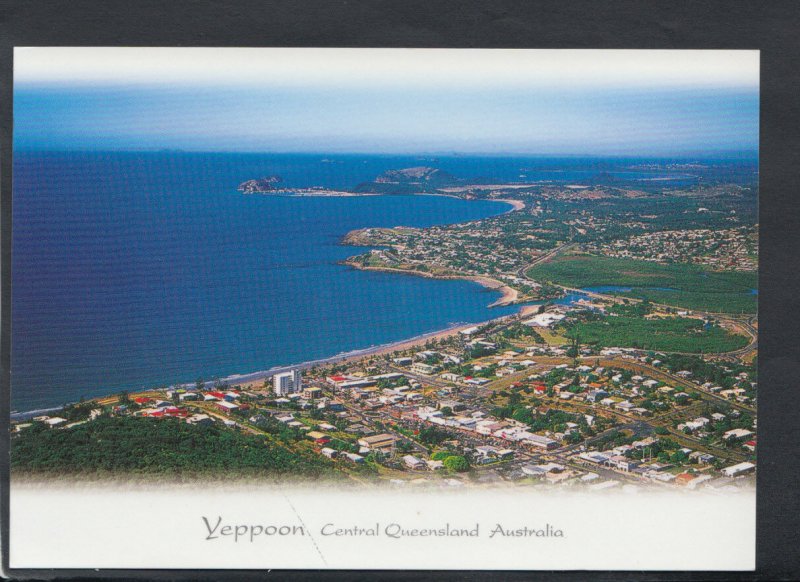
[{"x": 286, "y": 383}]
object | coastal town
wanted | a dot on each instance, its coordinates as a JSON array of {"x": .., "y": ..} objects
[
  {"x": 711, "y": 234},
  {"x": 487, "y": 405},
  {"x": 735, "y": 249},
  {"x": 632, "y": 361}
]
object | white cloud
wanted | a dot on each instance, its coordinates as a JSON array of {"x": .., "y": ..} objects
[{"x": 418, "y": 68}]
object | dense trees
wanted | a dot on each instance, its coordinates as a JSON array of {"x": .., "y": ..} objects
[
  {"x": 164, "y": 447},
  {"x": 430, "y": 435},
  {"x": 672, "y": 334},
  {"x": 456, "y": 464}
]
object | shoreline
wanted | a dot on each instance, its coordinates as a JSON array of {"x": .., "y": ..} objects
[
  {"x": 251, "y": 377},
  {"x": 349, "y": 356},
  {"x": 509, "y": 297},
  {"x": 516, "y": 204}
]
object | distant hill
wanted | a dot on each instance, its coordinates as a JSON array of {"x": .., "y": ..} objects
[
  {"x": 416, "y": 175},
  {"x": 408, "y": 181},
  {"x": 259, "y": 185}
]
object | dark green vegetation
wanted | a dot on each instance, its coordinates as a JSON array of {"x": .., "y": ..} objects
[
  {"x": 679, "y": 285},
  {"x": 430, "y": 435},
  {"x": 672, "y": 334},
  {"x": 156, "y": 447},
  {"x": 456, "y": 464}
]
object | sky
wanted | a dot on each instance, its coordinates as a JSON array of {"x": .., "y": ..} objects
[{"x": 566, "y": 102}]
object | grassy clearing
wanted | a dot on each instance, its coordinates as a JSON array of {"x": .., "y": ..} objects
[
  {"x": 680, "y": 285},
  {"x": 551, "y": 338}
]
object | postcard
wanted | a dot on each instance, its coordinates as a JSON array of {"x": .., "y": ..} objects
[{"x": 384, "y": 309}]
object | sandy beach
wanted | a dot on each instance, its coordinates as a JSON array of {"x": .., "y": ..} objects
[
  {"x": 509, "y": 296},
  {"x": 517, "y": 204},
  {"x": 255, "y": 380}
]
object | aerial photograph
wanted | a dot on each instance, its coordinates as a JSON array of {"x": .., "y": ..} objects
[{"x": 403, "y": 268}]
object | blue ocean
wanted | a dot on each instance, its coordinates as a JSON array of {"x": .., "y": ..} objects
[{"x": 135, "y": 270}]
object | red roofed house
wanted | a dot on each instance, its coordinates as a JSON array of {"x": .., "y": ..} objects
[
  {"x": 176, "y": 412},
  {"x": 319, "y": 437}
]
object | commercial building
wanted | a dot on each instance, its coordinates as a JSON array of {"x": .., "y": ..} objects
[
  {"x": 737, "y": 470},
  {"x": 541, "y": 442},
  {"x": 377, "y": 442},
  {"x": 286, "y": 383},
  {"x": 422, "y": 368}
]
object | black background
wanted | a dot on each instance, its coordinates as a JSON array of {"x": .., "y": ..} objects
[{"x": 772, "y": 27}]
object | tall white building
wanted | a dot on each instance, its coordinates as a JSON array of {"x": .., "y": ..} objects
[{"x": 287, "y": 383}]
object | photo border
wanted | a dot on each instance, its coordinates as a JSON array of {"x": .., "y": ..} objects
[{"x": 768, "y": 27}]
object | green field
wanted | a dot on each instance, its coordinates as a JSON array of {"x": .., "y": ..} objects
[
  {"x": 690, "y": 286},
  {"x": 669, "y": 335}
]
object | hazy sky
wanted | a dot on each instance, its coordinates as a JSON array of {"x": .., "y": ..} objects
[{"x": 388, "y": 100}]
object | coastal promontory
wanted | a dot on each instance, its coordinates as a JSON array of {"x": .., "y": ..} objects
[
  {"x": 419, "y": 179},
  {"x": 260, "y": 185}
]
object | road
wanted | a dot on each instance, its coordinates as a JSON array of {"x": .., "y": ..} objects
[{"x": 522, "y": 271}]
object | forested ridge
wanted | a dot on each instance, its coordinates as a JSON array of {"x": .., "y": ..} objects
[{"x": 156, "y": 447}]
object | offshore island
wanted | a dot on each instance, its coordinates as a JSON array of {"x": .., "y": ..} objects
[{"x": 631, "y": 362}]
